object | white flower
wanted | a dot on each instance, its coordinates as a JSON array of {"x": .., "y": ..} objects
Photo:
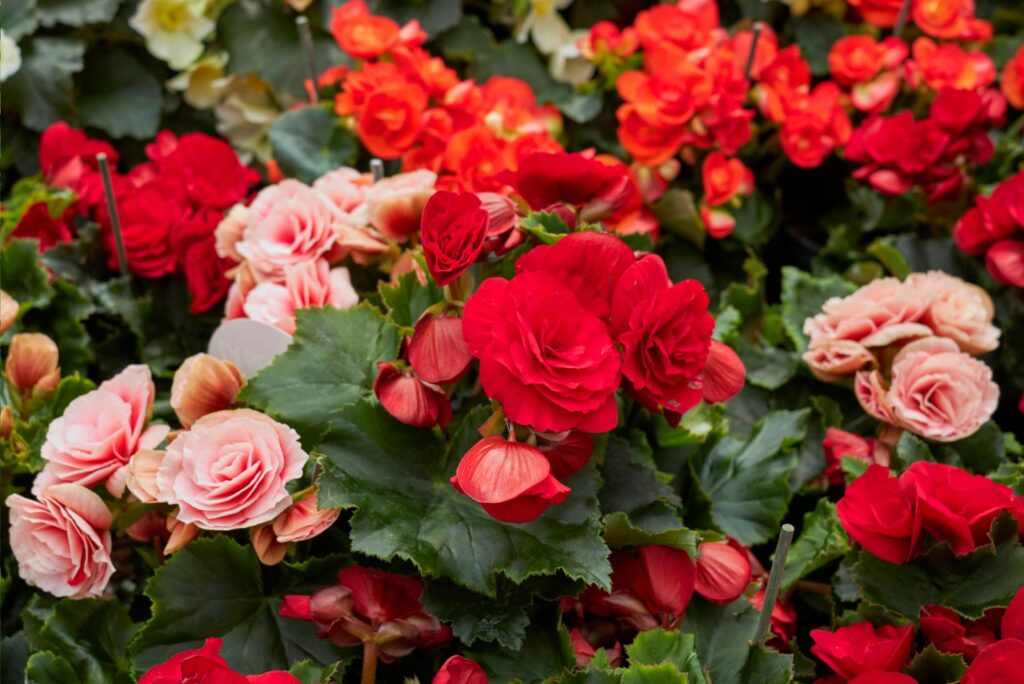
[
  {"x": 245, "y": 114},
  {"x": 10, "y": 56},
  {"x": 204, "y": 82},
  {"x": 549, "y": 30},
  {"x": 567, "y": 65},
  {"x": 174, "y": 29}
]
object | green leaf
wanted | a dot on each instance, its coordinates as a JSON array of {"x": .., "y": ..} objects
[
  {"x": 769, "y": 367},
  {"x": 119, "y": 95},
  {"x": 677, "y": 213},
  {"x": 214, "y": 587},
  {"x": 767, "y": 666},
  {"x": 260, "y": 37},
  {"x": 802, "y": 297},
  {"x": 474, "y": 617},
  {"x": 14, "y": 654},
  {"x": 885, "y": 251},
  {"x": 23, "y": 278},
  {"x": 932, "y": 666},
  {"x": 983, "y": 452},
  {"x": 723, "y": 635},
  {"x": 308, "y": 672},
  {"x": 48, "y": 668},
  {"x": 408, "y": 299},
  {"x": 822, "y": 540},
  {"x": 547, "y": 227},
  {"x": 987, "y": 577},
  {"x": 666, "y": 673},
  {"x": 816, "y": 33},
  {"x": 397, "y": 479},
  {"x": 76, "y": 12},
  {"x": 309, "y": 142},
  {"x": 434, "y": 16},
  {"x": 41, "y": 91},
  {"x": 331, "y": 363},
  {"x": 756, "y": 220},
  {"x": 27, "y": 192},
  {"x": 63, "y": 320},
  {"x": 546, "y": 651},
  {"x": 647, "y": 508},
  {"x": 91, "y": 635},
  {"x": 748, "y": 481},
  {"x": 678, "y": 648}
]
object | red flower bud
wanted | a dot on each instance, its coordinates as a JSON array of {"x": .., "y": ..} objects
[
  {"x": 723, "y": 571},
  {"x": 408, "y": 399},
  {"x": 567, "y": 453},
  {"x": 660, "y": 578},
  {"x": 1005, "y": 262},
  {"x": 860, "y": 648},
  {"x": 458, "y": 670},
  {"x": 724, "y": 373},
  {"x": 452, "y": 230},
  {"x": 511, "y": 480},
  {"x": 438, "y": 351},
  {"x": 950, "y": 633}
]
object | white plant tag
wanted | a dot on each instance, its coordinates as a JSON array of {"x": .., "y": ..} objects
[{"x": 250, "y": 345}]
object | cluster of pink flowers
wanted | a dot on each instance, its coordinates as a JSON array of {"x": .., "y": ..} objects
[
  {"x": 993, "y": 228},
  {"x": 908, "y": 346},
  {"x": 227, "y": 469}
]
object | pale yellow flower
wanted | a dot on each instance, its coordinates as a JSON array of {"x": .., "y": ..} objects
[{"x": 174, "y": 29}]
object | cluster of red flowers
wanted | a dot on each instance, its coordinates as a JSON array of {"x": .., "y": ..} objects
[
  {"x": 406, "y": 104},
  {"x": 993, "y": 228},
  {"x": 204, "y": 665},
  {"x": 169, "y": 206},
  {"x": 579, "y": 319},
  {"x": 898, "y": 152},
  {"x": 869, "y": 654},
  {"x": 890, "y": 516}
]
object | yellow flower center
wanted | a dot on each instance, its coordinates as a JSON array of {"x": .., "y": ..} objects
[{"x": 171, "y": 15}]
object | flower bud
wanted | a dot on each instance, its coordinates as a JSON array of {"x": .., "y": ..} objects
[
  {"x": 303, "y": 520},
  {"x": 8, "y": 311},
  {"x": 204, "y": 384},
  {"x": 396, "y": 203},
  {"x": 1005, "y": 262},
  {"x": 150, "y": 527},
  {"x": 181, "y": 534},
  {"x": 264, "y": 542},
  {"x": 408, "y": 399},
  {"x": 502, "y": 222},
  {"x": 512, "y": 481},
  {"x": 6, "y": 422},
  {"x": 567, "y": 452},
  {"x": 438, "y": 351},
  {"x": 140, "y": 477},
  {"x": 724, "y": 373},
  {"x": 32, "y": 365},
  {"x": 723, "y": 571}
]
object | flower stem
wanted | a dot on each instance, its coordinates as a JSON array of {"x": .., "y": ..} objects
[{"x": 369, "y": 663}]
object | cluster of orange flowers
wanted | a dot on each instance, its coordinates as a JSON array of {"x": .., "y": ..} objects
[{"x": 406, "y": 104}]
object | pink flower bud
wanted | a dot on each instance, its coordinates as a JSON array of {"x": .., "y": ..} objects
[
  {"x": 32, "y": 365},
  {"x": 723, "y": 571},
  {"x": 264, "y": 542},
  {"x": 396, "y": 204},
  {"x": 724, "y": 373},
  {"x": 8, "y": 311},
  {"x": 141, "y": 475},
  {"x": 303, "y": 520},
  {"x": 204, "y": 384},
  {"x": 512, "y": 481},
  {"x": 408, "y": 399},
  {"x": 182, "y": 534},
  {"x": 438, "y": 351}
]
